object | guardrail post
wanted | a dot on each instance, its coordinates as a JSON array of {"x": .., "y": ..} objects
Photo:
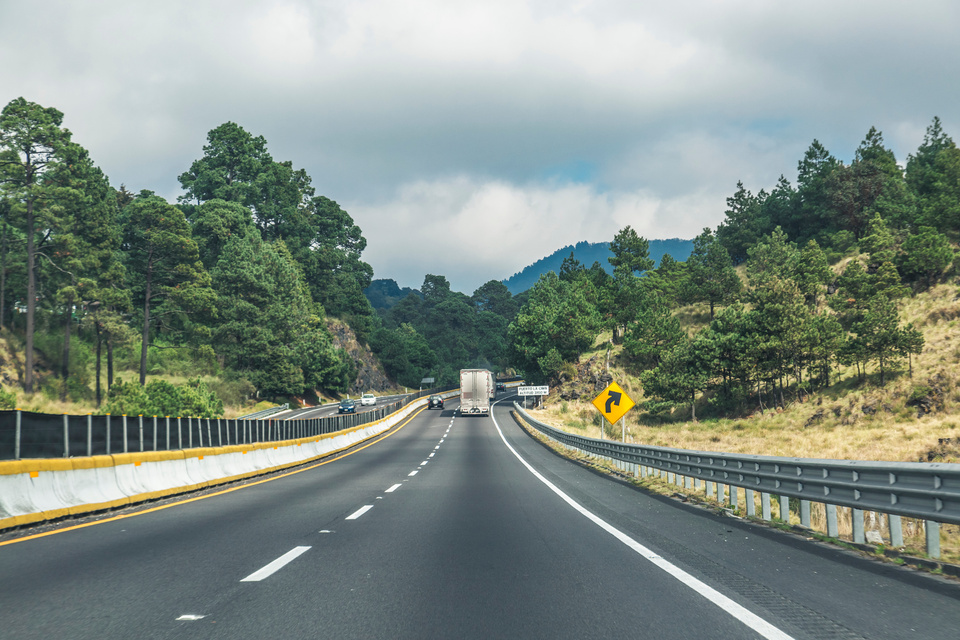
[
  {"x": 734, "y": 496},
  {"x": 859, "y": 535},
  {"x": 209, "y": 439},
  {"x": 785, "y": 509},
  {"x": 179, "y": 434},
  {"x": 125, "y": 433},
  {"x": 108, "y": 434},
  {"x": 765, "y": 511},
  {"x": 199, "y": 432},
  {"x": 16, "y": 438},
  {"x": 833, "y": 530},
  {"x": 688, "y": 482},
  {"x": 750, "y": 504},
  {"x": 933, "y": 538},
  {"x": 896, "y": 530},
  {"x": 805, "y": 513},
  {"x": 721, "y": 493},
  {"x": 168, "y": 433},
  {"x": 709, "y": 488},
  {"x": 66, "y": 438},
  {"x": 155, "y": 433},
  {"x": 141, "y": 432},
  {"x": 189, "y": 432},
  {"x": 89, "y": 435},
  {"x": 219, "y": 433}
]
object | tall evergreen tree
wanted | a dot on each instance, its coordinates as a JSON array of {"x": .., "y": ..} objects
[
  {"x": 32, "y": 143},
  {"x": 711, "y": 277},
  {"x": 166, "y": 276}
]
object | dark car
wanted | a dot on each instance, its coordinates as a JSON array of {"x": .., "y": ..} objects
[
  {"x": 501, "y": 386},
  {"x": 435, "y": 402},
  {"x": 347, "y": 406}
]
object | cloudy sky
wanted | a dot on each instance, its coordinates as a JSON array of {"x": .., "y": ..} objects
[{"x": 469, "y": 139}]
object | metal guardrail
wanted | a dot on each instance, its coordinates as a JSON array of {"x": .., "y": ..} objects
[
  {"x": 259, "y": 415},
  {"x": 926, "y": 491}
]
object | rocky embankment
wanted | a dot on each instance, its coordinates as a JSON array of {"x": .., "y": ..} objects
[{"x": 370, "y": 375}]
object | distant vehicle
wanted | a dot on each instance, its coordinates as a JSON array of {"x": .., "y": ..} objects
[
  {"x": 435, "y": 402},
  {"x": 476, "y": 390},
  {"x": 368, "y": 399},
  {"x": 347, "y": 406},
  {"x": 501, "y": 386}
]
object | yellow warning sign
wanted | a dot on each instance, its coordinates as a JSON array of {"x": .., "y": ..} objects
[{"x": 613, "y": 402}]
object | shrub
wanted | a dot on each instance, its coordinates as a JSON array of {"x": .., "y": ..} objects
[
  {"x": 8, "y": 399},
  {"x": 160, "y": 398}
]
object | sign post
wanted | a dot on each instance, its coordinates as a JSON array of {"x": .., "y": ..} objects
[
  {"x": 614, "y": 403},
  {"x": 532, "y": 391}
]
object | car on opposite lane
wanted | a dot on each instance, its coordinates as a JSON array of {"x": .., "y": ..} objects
[
  {"x": 368, "y": 400},
  {"x": 347, "y": 406}
]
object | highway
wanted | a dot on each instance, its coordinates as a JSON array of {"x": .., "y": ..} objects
[
  {"x": 331, "y": 409},
  {"x": 452, "y": 527}
]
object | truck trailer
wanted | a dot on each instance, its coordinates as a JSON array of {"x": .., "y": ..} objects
[{"x": 476, "y": 390}]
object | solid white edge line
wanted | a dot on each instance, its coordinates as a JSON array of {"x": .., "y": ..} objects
[
  {"x": 393, "y": 488},
  {"x": 736, "y": 610},
  {"x": 359, "y": 512},
  {"x": 276, "y": 565}
]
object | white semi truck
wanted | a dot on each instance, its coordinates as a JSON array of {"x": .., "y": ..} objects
[{"x": 476, "y": 391}]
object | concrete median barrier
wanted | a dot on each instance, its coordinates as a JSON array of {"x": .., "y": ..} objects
[{"x": 37, "y": 490}]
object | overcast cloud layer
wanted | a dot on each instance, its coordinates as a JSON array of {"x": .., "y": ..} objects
[{"x": 470, "y": 139}]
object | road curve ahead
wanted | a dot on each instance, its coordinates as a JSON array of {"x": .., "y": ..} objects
[{"x": 453, "y": 527}]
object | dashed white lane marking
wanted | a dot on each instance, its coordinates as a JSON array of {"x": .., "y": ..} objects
[
  {"x": 276, "y": 565},
  {"x": 190, "y": 617},
  {"x": 741, "y": 613},
  {"x": 412, "y": 473},
  {"x": 359, "y": 512},
  {"x": 436, "y": 447},
  {"x": 424, "y": 462},
  {"x": 432, "y": 454},
  {"x": 392, "y": 489}
]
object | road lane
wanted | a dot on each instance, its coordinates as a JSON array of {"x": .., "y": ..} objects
[{"x": 453, "y": 536}]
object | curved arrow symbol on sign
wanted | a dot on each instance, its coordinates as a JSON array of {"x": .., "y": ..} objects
[{"x": 612, "y": 399}]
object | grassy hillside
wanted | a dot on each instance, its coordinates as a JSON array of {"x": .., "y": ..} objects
[
  {"x": 169, "y": 364},
  {"x": 910, "y": 418}
]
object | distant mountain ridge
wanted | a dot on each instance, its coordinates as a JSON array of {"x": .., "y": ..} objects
[{"x": 589, "y": 252}]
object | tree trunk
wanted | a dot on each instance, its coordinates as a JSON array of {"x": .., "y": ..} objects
[
  {"x": 99, "y": 345},
  {"x": 145, "y": 338},
  {"x": 31, "y": 300},
  {"x": 109, "y": 361},
  {"x": 65, "y": 365},
  {"x": 3, "y": 274}
]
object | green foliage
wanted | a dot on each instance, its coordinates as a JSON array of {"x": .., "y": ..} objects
[
  {"x": 631, "y": 253},
  {"x": 926, "y": 255},
  {"x": 556, "y": 317},
  {"x": 551, "y": 364},
  {"x": 743, "y": 224},
  {"x": 8, "y": 399},
  {"x": 405, "y": 355},
  {"x": 711, "y": 277},
  {"x": 161, "y": 398}
]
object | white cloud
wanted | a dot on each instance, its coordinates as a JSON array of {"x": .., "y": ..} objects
[
  {"x": 473, "y": 231},
  {"x": 562, "y": 119}
]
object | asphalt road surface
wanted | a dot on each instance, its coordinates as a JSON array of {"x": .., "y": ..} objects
[{"x": 453, "y": 527}]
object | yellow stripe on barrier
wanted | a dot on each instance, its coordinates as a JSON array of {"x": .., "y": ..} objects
[{"x": 153, "y": 495}]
